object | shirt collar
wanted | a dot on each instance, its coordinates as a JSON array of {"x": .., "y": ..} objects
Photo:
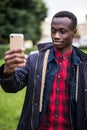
[
  {"x": 75, "y": 59},
  {"x": 62, "y": 56}
]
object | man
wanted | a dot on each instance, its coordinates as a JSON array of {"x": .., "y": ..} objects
[{"x": 55, "y": 79}]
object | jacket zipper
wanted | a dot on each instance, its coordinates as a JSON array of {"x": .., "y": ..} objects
[
  {"x": 77, "y": 74},
  {"x": 32, "y": 127}
]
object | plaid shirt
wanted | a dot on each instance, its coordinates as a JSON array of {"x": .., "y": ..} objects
[{"x": 57, "y": 115}]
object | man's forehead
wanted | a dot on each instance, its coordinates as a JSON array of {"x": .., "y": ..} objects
[{"x": 61, "y": 20}]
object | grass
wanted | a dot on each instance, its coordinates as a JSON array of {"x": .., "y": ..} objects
[
  {"x": 10, "y": 108},
  {"x": 84, "y": 50}
]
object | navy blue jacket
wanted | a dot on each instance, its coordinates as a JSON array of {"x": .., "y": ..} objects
[{"x": 31, "y": 76}]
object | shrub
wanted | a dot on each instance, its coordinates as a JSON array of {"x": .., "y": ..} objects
[{"x": 4, "y": 48}]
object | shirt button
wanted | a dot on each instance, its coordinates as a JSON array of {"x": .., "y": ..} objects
[
  {"x": 58, "y": 76},
  {"x": 57, "y": 102},
  {"x": 38, "y": 76},
  {"x": 57, "y": 90},
  {"x": 60, "y": 63},
  {"x": 56, "y": 115}
]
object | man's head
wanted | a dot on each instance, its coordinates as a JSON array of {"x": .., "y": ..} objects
[{"x": 63, "y": 28}]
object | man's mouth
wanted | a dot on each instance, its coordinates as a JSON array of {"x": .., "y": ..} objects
[{"x": 57, "y": 42}]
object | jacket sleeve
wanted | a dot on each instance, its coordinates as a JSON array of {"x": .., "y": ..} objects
[
  {"x": 16, "y": 81},
  {"x": 21, "y": 77}
]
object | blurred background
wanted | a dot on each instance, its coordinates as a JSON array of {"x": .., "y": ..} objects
[
  {"x": 76, "y": 7},
  {"x": 32, "y": 18}
]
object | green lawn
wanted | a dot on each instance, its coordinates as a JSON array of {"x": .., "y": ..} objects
[
  {"x": 84, "y": 50},
  {"x": 10, "y": 108}
]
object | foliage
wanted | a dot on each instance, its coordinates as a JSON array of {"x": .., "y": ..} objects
[
  {"x": 77, "y": 35},
  {"x": 22, "y": 16},
  {"x": 27, "y": 51},
  {"x": 84, "y": 49},
  {"x": 4, "y": 48}
]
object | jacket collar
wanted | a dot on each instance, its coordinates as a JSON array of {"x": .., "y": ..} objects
[{"x": 75, "y": 59}]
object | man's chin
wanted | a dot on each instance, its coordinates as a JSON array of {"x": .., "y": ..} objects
[{"x": 59, "y": 47}]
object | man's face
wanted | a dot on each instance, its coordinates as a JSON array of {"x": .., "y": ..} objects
[{"x": 62, "y": 33}]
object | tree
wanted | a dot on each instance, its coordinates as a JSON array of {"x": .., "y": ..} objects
[{"x": 22, "y": 16}]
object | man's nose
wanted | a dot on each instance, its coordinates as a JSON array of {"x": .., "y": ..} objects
[{"x": 57, "y": 35}]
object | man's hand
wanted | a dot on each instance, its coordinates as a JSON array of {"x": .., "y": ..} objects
[{"x": 13, "y": 59}]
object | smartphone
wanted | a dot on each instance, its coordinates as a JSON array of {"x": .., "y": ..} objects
[{"x": 16, "y": 41}]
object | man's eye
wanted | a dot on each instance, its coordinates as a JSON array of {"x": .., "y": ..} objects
[
  {"x": 53, "y": 31},
  {"x": 63, "y": 31}
]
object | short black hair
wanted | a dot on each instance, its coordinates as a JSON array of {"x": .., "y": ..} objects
[{"x": 68, "y": 14}]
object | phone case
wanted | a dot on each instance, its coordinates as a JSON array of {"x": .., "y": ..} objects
[{"x": 16, "y": 41}]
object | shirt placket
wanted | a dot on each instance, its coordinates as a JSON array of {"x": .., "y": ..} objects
[{"x": 57, "y": 91}]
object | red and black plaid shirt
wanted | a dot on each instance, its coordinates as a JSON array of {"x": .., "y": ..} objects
[{"x": 57, "y": 115}]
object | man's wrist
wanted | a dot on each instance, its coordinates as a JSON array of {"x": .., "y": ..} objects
[{"x": 6, "y": 75}]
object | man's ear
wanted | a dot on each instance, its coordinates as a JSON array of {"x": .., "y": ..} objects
[{"x": 75, "y": 31}]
